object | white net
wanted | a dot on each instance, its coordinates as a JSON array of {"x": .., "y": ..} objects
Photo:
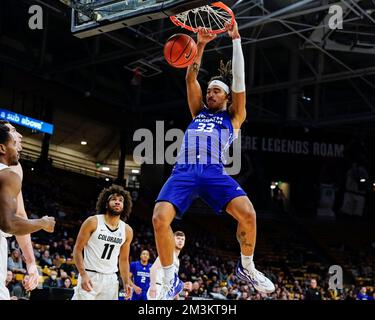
[{"x": 211, "y": 17}]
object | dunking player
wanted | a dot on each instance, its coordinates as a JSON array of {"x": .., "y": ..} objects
[
  {"x": 104, "y": 239},
  {"x": 140, "y": 271},
  {"x": 224, "y": 113},
  {"x": 10, "y": 190},
  {"x": 157, "y": 275},
  {"x": 23, "y": 241}
]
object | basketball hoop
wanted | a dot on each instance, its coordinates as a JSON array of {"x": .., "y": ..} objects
[{"x": 212, "y": 17}]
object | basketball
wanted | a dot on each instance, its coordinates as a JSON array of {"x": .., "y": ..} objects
[{"x": 180, "y": 50}]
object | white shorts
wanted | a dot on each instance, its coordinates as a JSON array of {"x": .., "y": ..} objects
[
  {"x": 4, "y": 292},
  {"x": 105, "y": 287}
]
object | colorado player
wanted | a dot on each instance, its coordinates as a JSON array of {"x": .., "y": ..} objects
[
  {"x": 10, "y": 188},
  {"x": 140, "y": 271},
  {"x": 193, "y": 176},
  {"x": 105, "y": 241},
  {"x": 156, "y": 272},
  {"x": 24, "y": 241}
]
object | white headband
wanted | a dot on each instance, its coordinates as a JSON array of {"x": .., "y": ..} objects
[{"x": 220, "y": 84}]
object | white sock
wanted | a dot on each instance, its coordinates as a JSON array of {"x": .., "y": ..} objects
[
  {"x": 168, "y": 274},
  {"x": 247, "y": 262}
]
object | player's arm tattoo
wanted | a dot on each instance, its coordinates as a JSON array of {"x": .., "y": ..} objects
[
  {"x": 241, "y": 237},
  {"x": 195, "y": 67}
]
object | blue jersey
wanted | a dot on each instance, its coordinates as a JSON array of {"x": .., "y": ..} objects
[
  {"x": 141, "y": 278},
  {"x": 207, "y": 138},
  {"x": 199, "y": 171}
]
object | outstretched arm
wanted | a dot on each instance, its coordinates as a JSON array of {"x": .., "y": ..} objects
[
  {"x": 10, "y": 187},
  {"x": 194, "y": 91},
  {"x": 238, "y": 107}
]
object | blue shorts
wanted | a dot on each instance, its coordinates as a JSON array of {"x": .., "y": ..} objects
[{"x": 206, "y": 181}]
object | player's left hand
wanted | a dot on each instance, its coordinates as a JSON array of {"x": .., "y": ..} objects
[
  {"x": 32, "y": 282},
  {"x": 137, "y": 289},
  {"x": 233, "y": 30},
  {"x": 128, "y": 291}
]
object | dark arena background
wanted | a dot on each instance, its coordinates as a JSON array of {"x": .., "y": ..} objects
[{"x": 308, "y": 143}]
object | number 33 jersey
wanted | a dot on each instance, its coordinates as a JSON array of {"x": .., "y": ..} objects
[
  {"x": 103, "y": 248},
  {"x": 207, "y": 138}
]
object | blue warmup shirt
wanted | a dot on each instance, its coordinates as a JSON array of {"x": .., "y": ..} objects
[{"x": 141, "y": 278}]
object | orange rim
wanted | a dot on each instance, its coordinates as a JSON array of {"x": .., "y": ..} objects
[{"x": 219, "y": 5}]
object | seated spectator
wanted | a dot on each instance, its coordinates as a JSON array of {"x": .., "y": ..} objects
[
  {"x": 224, "y": 291},
  {"x": 69, "y": 267},
  {"x": 68, "y": 283},
  {"x": 284, "y": 295},
  {"x": 51, "y": 281},
  {"x": 296, "y": 287},
  {"x": 15, "y": 263},
  {"x": 36, "y": 249},
  {"x": 56, "y": 260},
  {"x": 10, "y": 282},
  {"x": 19, "y": 290},
  {"x": 53, "y": 248},
  {"x": 195, "y": 292},
  {"x": 63, "y": 276},
  {"x": 297, "y": 296},
  {"x": 231, "y": 295},
  {"x": 350, "y": 295},
  {"x": 256, "y": 297},
  {"x": 46, "y": 260}
]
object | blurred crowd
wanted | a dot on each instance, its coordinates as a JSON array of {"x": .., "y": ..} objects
[
  {"x": 211, "y": 276},
  {"x": 298, "y": 273}
]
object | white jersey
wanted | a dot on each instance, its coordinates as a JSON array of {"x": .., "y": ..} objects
[
  {"x": 2, "y": 167},
  {"x": 160, "y": 272},
  {"x": 103, "y": 248}
]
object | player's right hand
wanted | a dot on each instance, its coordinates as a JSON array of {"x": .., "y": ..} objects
[
  {"x": 204, "y": 36},
  {"x": 48, "y": 223},
  {"x": 86, "y": 283}
]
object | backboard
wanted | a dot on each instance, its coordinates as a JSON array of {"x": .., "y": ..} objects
[{"x": 93, "y": 17}]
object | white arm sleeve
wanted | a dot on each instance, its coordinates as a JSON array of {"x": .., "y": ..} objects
[{"x": 238, "y": 67}]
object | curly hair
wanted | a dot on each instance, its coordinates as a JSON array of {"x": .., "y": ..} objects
[
  {"x": 104, "y": 197},
  {"x": 225, "y": 73}
]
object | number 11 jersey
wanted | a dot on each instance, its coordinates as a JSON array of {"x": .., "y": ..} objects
[{"x": 103, "y": 248}]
